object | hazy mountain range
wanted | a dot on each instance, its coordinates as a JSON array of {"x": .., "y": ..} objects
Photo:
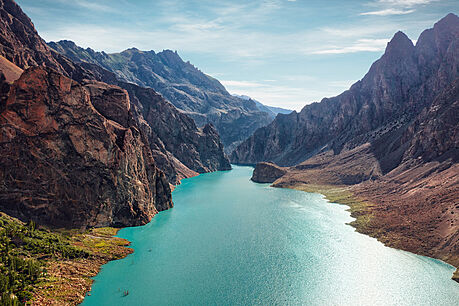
[{"x": 196, "y": 94}]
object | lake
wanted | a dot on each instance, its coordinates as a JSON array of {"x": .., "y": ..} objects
[{"x": 229, "y": 241}]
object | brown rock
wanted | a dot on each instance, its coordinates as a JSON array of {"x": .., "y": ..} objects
[
  {"x": 179, "y": 147},
  {"x": 63, "y": 163},
  {"x": 267, "y": 172}
]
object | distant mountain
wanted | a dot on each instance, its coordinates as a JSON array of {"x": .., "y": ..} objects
[
  {"x": 391, "y": 142},
  {"x": 80, "y": 148},
  {"x": 198, "y": 95},
  {"x": 271, "y": 110}
]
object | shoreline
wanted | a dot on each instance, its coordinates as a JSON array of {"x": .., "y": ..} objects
[
  {"x": 105, "y": 247},
  {"x": 69, "y": 288},
  {"x": 361, "y": 210},
  {"x": 69, "y": 281}
]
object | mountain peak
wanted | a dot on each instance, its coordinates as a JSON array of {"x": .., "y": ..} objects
[
  {"x": 400, "y": 38},
  {"x": 400, "y": 44},
  {"x": 450, "y": 20},
  {"x": 130, "y": 50},
  {"x": 66, "y": 42}
]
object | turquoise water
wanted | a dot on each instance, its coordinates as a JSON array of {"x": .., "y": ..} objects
[{"x": 231, "y": 241}]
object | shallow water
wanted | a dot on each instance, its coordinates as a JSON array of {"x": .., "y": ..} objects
[{"x": 231, "y": 241}]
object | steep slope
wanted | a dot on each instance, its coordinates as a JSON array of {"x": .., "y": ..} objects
[
  {"x": 20, "y": 43},
  {"x": 192, "y": 151},
  {"x": 67, "y": 159},
  {"x": 395, "y": 160},
  {"x": 23, "y": 47},
  {"x": 195, "y": 93},
  {"x": 77, "y": 152},
  {"x": 380, "y": 106},
  {"x": 178, "y": 146},
  {"x": 413, "y": 207}
]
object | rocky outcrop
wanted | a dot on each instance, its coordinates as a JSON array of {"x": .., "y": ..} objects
[
  {"x": 198, "y": 95},
  {"x": 68, "y": 160},
  {"x": 23, "y": 45},
  {"x": 19, "y": 41},
  {"x": 180, "y": 148},
  {"x": 267, "y": 173},
  {"x": 376, "y": 110},
  {"x": 78, "y": 152}
]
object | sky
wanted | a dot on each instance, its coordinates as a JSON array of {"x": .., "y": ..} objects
[{"x": 285, "y": 53}]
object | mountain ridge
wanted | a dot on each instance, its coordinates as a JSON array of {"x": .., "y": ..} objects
[
  {"x": 385, "y": 94},
  {"x": 199, "y": 95},
  {"x": 124, "y": 177},
  {"x": 388, "y": 147}
]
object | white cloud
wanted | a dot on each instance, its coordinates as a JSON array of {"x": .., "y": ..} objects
[
  {"x": 406, "y": 3},
  {"x": 90, "y": 5},
  {"x": 387, "y": 12},
  {"x": 290, "y": 97},
  {"x": 361, "y": 45},
  {"x": 228, "y": 42},
  {"x": 395, "y": 7}
]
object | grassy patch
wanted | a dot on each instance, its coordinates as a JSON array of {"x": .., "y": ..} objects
[
  {"x": 71, "y": 279},
  {"x": 24, "y": 252},
  {"x": 52, "y": 267},
  {"x": 360, "y": 209}
]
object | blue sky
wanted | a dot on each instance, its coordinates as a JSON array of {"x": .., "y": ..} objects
[{"x": 281, "y": 52}]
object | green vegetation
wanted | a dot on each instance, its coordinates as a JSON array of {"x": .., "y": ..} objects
[
  {"x": 24, "y": 250},
  {"x": 360, "y": 209}
]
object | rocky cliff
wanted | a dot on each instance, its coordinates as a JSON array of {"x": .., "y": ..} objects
[
  {"x": 200, "y": 96},
  {"x": 267, "y": 173},
  {"x": 68, "y": 160},
  {"x": 78, "y": 152},
  {"x": 22, "y": 41},
  {"x": 389, "y": 146},
  {"x": 179, "y": 147},
  {"x": 376, "y": 110}
]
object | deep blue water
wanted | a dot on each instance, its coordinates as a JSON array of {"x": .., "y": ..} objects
[{"x": 229, "y": 241}]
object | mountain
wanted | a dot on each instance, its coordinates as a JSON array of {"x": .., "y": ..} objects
[
  {"x": 179, "y": 148},
  {"x": 271, "y": 110},
  {"x": 198, "y": 95},
  {"x": 388, "y": 146},
  {"x": 68, "y": 160},
  {"x": 397, "y": 87},
  {"x": 79, "y": 147}
]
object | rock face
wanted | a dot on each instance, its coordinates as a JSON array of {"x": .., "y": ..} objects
[
  {"x": 200, "y": 96},
  {"x": 376, "y": 110},
  {"x": 180, "y": 148},
  {"x": 79, "y": 152},
  {"x": 67, "y": 160},
  {"x": 19, "y": 37},
  {"x": 267, "y": 173},
  {"x": 20, "y": 43},
  {"x": 391, "y": 141}
]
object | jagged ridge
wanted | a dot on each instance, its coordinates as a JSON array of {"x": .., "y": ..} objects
[{"x": 200, "y": 96}]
